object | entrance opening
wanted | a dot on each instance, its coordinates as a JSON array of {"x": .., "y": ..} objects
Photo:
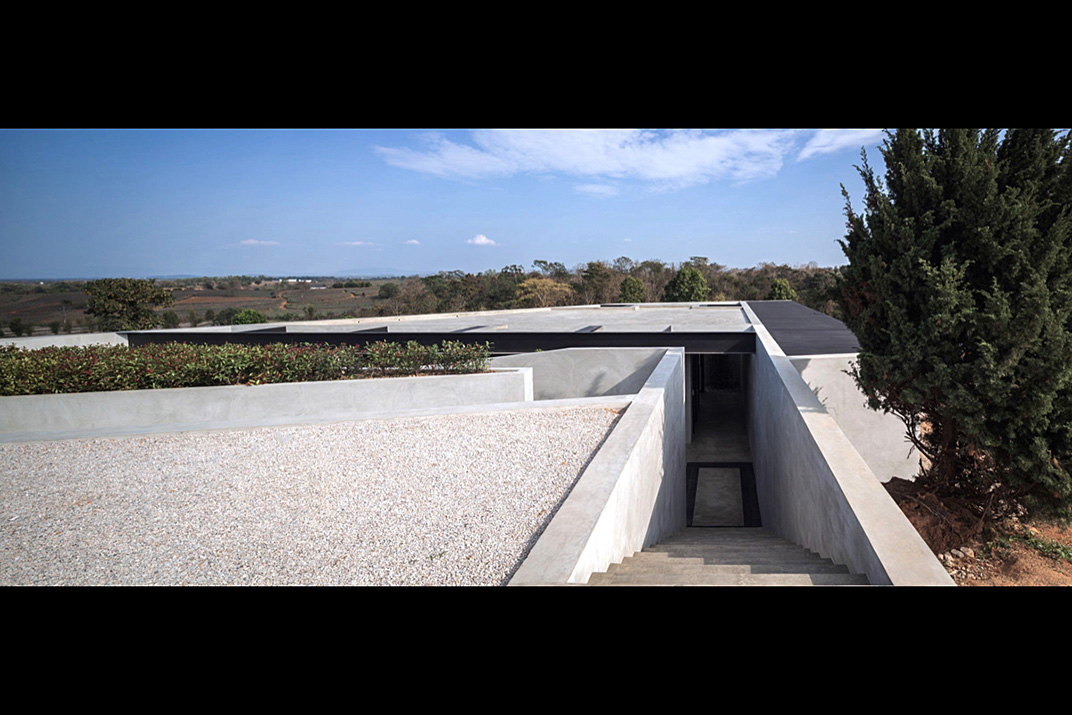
[{"x": 720, "y": 482}]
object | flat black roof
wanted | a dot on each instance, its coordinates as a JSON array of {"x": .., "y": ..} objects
[{"x": 799, "y": 330}]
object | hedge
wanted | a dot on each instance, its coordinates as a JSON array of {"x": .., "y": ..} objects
[{"x": 100, "y": 368}]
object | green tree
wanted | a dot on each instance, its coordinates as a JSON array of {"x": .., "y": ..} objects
[
  {"x": 781, "y": 290},
  {"x": 595, "y": 282},
  {"x": 20, "y": 327},
  {"x": 631, "y": 290},
  {"x": 551, "y": 269},
  {"x": 655, "y": 275},
  {"x": 389, "y": 290},
  {"x": 125, "y": 303},
  {"x": 686, "y": 287},
  {"x": 248, "y": 317},
  {"x": 224, "y": 317},
  {"x": 169, "y": 319},
  {"x": 959, "y": 289}
]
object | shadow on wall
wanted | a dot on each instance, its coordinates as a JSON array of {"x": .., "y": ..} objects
[{"x": 879, "y": 438}]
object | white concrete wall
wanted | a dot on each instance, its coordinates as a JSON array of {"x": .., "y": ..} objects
[
  {"x": 879, "y": 438},
  {"x": 631, "y": 495},
  {"x": 33, "y": 417},
  {"x": 815, "y": 489},
  {"x": 586, "y": 372}
]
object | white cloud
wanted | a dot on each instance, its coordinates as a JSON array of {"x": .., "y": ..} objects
[
  {"x": 255, "y": 242},
  {"x": 605, "y": 190},
  {"x": 828, "y": 141},
  {"x": 667, "y": 160},
  {"x": 481, "y": 240},
  {"x": 356, "y": 243},
  {"x": 628, "y": 240},
  {"x": 413, "y": 242}
]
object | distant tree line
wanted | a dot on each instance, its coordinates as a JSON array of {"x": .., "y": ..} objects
[
  {"x": 124, "y": 304},
  {"x": 623, "y": 280}
]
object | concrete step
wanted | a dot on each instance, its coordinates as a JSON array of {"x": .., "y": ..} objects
[
  {"x": 751, "y": 557},
  {"x": 731, "y": 579},
  {"x": 740, "y": 556},
  {"x": 723, "y": 534},
  {"x": 639, "y": 565}
]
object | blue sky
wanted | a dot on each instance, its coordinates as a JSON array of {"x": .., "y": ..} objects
[{"x": 95, "y": 203}]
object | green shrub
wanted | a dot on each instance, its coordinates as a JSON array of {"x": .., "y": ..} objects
[
  {"x": 248, "y": 317},
  {"x": 98, "y": 368}
]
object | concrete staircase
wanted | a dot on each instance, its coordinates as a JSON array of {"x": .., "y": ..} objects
[{"x": 726, "y": 556}]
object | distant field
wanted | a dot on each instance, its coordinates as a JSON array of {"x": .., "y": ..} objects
[{"x": 25, "y": 301}]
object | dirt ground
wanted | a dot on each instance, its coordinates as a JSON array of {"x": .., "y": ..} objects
[{"x": 1009, "y": 553}]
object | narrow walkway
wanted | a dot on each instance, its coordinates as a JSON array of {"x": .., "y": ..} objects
[
  {"x": 725, "y": 544},
  {"x": 721, "y": 434}
]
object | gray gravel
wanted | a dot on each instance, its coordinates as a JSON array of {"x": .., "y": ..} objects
[{"x": 445, "y": 500}]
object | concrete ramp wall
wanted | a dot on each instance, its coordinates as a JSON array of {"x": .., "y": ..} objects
[
  {"x": 586, "y": 372},
  {"x": 815, "y": 489},
  {"x": 631, "y": 495}
]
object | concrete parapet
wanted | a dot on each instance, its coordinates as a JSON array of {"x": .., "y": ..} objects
[
  {"x": 74, "y": 339},
  {"x": 815, "y": 489},
  {"x": 95, "y": 414},
  {"x": 631, "y": 495}
]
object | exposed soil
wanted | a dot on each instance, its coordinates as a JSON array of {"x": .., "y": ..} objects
[{"x": 979, "y": 552}]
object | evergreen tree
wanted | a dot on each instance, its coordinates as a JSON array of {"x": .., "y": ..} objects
[
  {"x": 959, "y": 289},
  {"x": 631, "y": 290},
  {"x": 686, "y": 287},
  {"x": 125, "y": 303}
]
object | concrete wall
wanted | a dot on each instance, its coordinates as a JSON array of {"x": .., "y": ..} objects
[
  {"x": 631, "y": 495},
  {"x": 586, "y": 372},
  {"x": 815, "y": 489},
  {"x": 31, "y": 417},
  {"x": 879, "y": 438},
  {"x": 44, "y": 341}
]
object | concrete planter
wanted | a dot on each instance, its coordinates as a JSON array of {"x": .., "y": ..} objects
[{"x": 87, "y": 414}]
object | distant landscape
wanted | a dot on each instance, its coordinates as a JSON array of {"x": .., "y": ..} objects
[{"x": 45, "y": 307}]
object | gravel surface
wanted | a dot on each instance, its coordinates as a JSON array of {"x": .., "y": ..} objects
[{"x": 444, "y": 500}]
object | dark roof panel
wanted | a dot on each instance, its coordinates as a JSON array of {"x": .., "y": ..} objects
[{"x": 799, "y": 330}]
